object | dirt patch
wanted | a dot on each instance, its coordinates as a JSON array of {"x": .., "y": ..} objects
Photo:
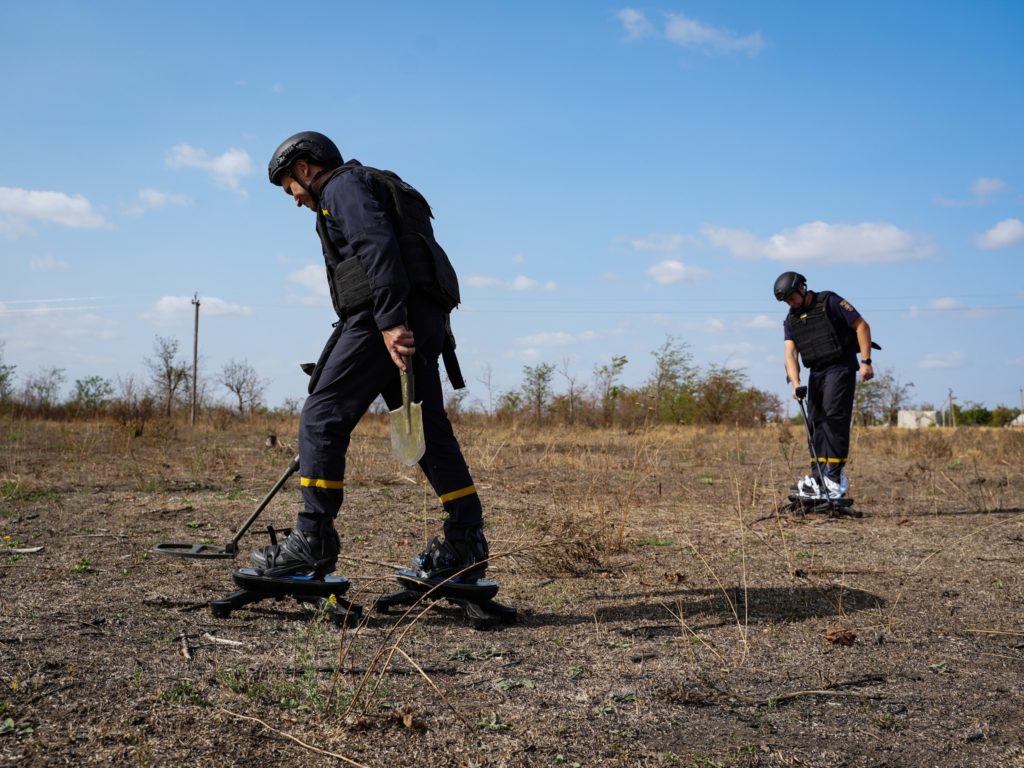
[{"x": 668, "y": 615}]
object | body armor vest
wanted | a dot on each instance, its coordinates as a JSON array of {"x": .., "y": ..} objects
[
  {"x": 816, "y": 336},
  {"x": 425, "y": 261}
]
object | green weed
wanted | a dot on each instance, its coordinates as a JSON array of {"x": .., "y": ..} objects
[{"x": 183, "y": 692}]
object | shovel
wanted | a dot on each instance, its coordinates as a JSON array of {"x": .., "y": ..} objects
[{"x": 407, "y": 441}]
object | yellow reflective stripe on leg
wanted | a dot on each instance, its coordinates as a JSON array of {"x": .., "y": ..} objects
[
  {"x": 830, "y": 461},
  {"x": 467, "y": 491},
  {"x": 315, "y": 482}
]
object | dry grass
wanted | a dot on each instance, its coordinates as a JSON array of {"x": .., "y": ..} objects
[{"x": 668, "y": 615}]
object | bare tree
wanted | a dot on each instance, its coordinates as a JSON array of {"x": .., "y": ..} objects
[
  {"x": 573, "y": 391},
  {"x": 169, "y": 376},
  {"x": 132, "y": 405},
  {"x": 41, "y": 389},
  {"x": 488, "y": 381},
  {"x": 606, "y": 384},
  {"x": 242, "y": 380},
  {"x": 6, "y": 376}
]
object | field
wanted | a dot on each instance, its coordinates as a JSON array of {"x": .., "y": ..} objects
[{"x": 669, "y": 614}]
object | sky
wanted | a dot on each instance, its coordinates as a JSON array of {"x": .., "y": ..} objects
[{"x": 605, "y": 177}]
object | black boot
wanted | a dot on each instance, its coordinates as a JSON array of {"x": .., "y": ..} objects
[
  {"x": 443, "y": 559},
  {"x": 302, "y": 552}
]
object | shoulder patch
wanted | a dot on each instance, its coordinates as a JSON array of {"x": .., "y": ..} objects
[
  {"x": 844, "y": 303},
  {"x": 325, "y": 212}
]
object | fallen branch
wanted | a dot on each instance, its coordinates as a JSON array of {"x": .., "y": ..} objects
[
  {"x": 995, "y": 632},
  {"x": 221, "y": 640},
  {"x": 832, "y": 690},
  {"x": 288, "y": 736}
]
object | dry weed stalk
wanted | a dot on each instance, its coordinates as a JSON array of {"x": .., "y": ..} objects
[
  {"x": 300, "y": 742},
  {"x": 940, "y": 550},
  {"x": 392, "y": 644}
]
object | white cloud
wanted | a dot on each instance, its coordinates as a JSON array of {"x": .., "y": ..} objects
[
  {"x": 984, "y": 188},
  {"x": 949, "y": 304},
  {"x": 667, "y": 243},
  {"x": 635, "y": 23},
  {"x": 226, "y": 169},
  {"x": 313, "y": 278},
  {"x": 173, "y": 308},
  {"x": 150, "y": 199},
  {"x": 944, "y": 303},
  {"x": 19, "y": 206},
  {"x": 761, "y": 323},
  {"x": 518, "y": 283},
  {"x": 47, "y": 263},
  {"x": 820, "y": 242},
  {"x": 737, "y": 347},
  {"x": 942, "y": 360},
  {"x": 673, "y": 271},
  {"x": 691, "y": 33},
  {"x": 547, "y": 339},
  {"x": 1004, "y": 234},
  {"x": 37, "y": 327}
]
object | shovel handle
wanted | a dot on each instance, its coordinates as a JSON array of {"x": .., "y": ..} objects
[{"x": 408, "y": 390}]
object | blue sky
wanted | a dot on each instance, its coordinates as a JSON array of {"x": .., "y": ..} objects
[{"x": 603, "y": 176}]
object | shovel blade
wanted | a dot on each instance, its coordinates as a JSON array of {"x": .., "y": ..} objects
[{"x": 407, "y": 440}]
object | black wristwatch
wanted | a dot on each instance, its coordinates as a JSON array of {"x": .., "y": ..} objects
[{"x": 866, "y": 361}]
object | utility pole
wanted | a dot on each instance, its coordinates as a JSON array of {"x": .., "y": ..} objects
[
  {"x": 195, "y": 356},
  {"x": 952, "y": 413}
]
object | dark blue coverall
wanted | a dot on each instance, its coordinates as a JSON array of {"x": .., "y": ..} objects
[
  {"x": 830, "y": 392},
  {"x": 357, "y": 368}
]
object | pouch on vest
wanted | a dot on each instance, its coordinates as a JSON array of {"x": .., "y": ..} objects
[
  {"x": 351, "y": 286},
  {"x": 429, "y": 269}
]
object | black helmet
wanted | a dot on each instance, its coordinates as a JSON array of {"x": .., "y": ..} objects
[
  {"x": 788, "y": 282},
  {"x": 308, "y": 145}
]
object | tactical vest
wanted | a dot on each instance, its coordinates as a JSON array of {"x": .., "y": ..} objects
[
  {"x": 425, "y": 261},
  {"x": 816, "y": 336}
]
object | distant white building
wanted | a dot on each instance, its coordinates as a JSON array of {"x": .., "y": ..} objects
[
  {"x": 910, "y": 419},
  {"x": 1018, "y": 421}
]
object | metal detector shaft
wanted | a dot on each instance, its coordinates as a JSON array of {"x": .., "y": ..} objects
[
  {"x": 801, "y": 393},
  {"x": 229, "y": 550},
  {"x": 232, "y": 546}
]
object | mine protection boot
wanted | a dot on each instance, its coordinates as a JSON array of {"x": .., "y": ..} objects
[
  {"x": 302, "y": 552},
  {"x": 809, "y": 488},
  {"x": 443, "y": 559}
]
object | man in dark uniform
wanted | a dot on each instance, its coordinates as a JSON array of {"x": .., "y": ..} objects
[
  {"x": 827, "y": 333},
  {"x": 393, "y": 289}
]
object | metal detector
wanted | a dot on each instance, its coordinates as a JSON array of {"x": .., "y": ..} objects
[
  {"x": 229, "y": 550},
  {"x": 833, "y": 507}
]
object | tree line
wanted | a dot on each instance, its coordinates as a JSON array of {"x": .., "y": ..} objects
[
  {"x": 676, "y": 391},
  {"x": 166, "y": 387}
]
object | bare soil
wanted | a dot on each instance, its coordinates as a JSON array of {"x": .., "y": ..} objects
[{"x": 669, "y": 614}]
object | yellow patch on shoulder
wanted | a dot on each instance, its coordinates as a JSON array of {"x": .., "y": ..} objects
[{"x": 325, "y": 212}]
